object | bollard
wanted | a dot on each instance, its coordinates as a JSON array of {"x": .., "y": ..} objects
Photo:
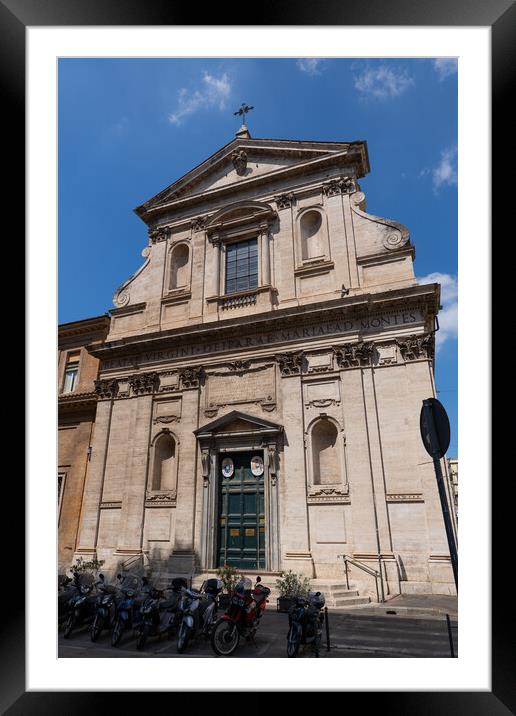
[{"x": 327, "y": 629}]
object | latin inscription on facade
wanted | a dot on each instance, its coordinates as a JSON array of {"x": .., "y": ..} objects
[{"x": 262, "y": 340}]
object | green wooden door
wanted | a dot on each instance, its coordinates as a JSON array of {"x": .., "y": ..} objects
[{"x": 241, "y": 522}]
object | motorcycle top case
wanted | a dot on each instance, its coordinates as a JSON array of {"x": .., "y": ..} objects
[
  {"x": 213, "y": 586},
  {"x": 178, "y": 583}
]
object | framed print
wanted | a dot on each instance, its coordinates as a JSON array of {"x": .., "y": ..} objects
[{"x": 241, "y": 264}]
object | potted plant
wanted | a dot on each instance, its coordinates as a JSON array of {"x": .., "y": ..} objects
[
  {"x": 229, "y": 576},
  {"x": 290, "y": 586}
]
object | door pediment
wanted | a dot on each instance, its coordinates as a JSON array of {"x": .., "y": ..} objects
[{"x": 237, "y": 422}]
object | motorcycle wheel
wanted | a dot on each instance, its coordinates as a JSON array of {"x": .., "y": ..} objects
[
  {"x": 117, "y": 633},
  {"x": 183, "y": 638},
  {"x": 142, "y": 637},
  {"x": 69, "y": 626},
  {"x": 224, "y": 638},
  {"x": 96, "y": 627},
  {"x": 292, "y": 645}
]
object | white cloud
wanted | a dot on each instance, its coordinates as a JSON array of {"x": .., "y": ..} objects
[
  {"x": 448, "y": 316},
  {"x": 445, "y": 173},
  {"x": 445, "y": 66},
  {"x": 213, "y": 92},
  {"x": 310, "y": 65},
  {"x": 382, "y": 82}
]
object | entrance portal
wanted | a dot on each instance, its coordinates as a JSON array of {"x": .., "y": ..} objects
[{"x": 241, "y": 515}]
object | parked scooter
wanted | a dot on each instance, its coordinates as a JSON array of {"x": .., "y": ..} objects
[
  {"x": 242, "y": 617},
  {"x": 159, "y": 614},
  {"x": 198, "y": 610},
  {"x": 305, "y": 621},
  {"x": 67, "y": 588},
  {"x": 81, "y": 606},
  {"x": 105, "y": 608},
  {"x": 128, "y": 614}
]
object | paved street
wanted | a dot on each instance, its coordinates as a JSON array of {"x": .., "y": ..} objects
[{"x": 352, "y": 635}]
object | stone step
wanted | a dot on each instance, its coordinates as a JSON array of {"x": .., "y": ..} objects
[
  {"x": 336, "y": 593},
  {"x": 349, "y": 601}
]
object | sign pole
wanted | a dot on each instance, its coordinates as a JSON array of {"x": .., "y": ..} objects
[{"x": 437, "y": 453}]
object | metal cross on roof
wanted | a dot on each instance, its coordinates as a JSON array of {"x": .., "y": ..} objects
[{"x": 244, "y": 109}]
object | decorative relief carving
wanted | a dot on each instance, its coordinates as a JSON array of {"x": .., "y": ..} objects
[
  {"x": 167, "y": 411},
  {"x": 322, "y": 395},
  {"x": 272, "y": 454},
  {"x": 167, "y": 419},
  {"x": 386, "y": 354},
  {"x": 340, "y": 185},
  {"x": 205, "y": 463},
  {"x": 106, "y": 388},
  {"x": 239, "y": 159},
  {"x": 199, "y": 223},
  {"x": 326, "y": 491},
  {"x": 168, "y": 381},
  {"x": 285, "y": 201},
  {"x": 191, "y": 377},
  {"x": 355, "y": 355},
  {"x": 160, "y": 499},
  {"x": 158, "y": 234},
  {"x": 320, "y": 362},
  {"x": 402, "y": 497},
  {"x": 121, "y": 297},
  {"x": 395, "y": 240},
  {"x": 290, "y": 363},
  {"x": 240, "y": 366},
  {"x": 142, "y": 383},
  {"x": 417, "y": 346},
  {"x": 110, "y": 505}
]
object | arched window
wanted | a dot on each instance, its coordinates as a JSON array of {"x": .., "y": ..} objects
[
  {"x": 326, "y": 465},
  {"x": 312, "y": 239},
  {"x": 179, "y": 277},
  {"x": 164, "y": 472}
]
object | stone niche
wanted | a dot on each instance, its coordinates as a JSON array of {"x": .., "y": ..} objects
[{"x": 239, "y": 386}]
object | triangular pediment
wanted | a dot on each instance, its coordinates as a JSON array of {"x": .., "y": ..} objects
[
  {"x": 237, "y": 422},
  {"x": 244, "y": 159}
]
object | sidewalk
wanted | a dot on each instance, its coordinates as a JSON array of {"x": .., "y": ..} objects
[{"x": 424, "y": 605}]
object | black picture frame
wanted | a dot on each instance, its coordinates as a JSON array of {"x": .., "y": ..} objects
[{"x": 500, "y": 15}]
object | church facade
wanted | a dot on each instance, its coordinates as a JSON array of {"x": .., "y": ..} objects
[{"x": 260, "y": 386}]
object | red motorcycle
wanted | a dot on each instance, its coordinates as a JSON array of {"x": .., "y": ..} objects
[{"x": 241, "y": 618}]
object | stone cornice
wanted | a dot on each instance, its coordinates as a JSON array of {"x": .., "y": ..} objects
[
  {"x": 98, "y": 324},
  {"x": 147, "y": 213},
  {"x": 425, "y": 297}
]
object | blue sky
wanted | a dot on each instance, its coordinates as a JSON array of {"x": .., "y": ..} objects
[{"x": 129, "y": 127}]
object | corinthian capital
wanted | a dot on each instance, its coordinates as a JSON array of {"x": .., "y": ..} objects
[
  {"x": 354, "y": 355},
  {"x": 106, "y": 388},
  {"x": 142, "y": 383}
]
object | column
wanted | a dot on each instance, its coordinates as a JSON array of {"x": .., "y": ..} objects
[
  {"x": 295, "y": 544},
  {"x": 90, "y": 514},
  {"x": 266, "y": 261}
]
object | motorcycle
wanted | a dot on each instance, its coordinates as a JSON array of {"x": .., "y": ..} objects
[
  {"x": 159, "y": 614},
  {"x": 128, "y": 615},
  {"x": 198, "y": 610},
  {"x": 105, "y": 608},
  {"x": 67, "y": 588},
  {"x": 81, "y": 606},
  {"x": 242, "y": 617},
  {"x": 305, "y": 623}
]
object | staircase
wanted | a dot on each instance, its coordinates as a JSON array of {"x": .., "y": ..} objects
[{"x": 336, "y": 593}]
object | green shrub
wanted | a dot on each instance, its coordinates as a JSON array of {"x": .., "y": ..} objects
[
  {"x": 229, "y": 576},
  {"x": 293, "y": 585}
]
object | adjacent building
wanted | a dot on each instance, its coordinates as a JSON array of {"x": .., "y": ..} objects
[
  {"x": 260, "y": 386},
  {"x": 77, "y": 404}
]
